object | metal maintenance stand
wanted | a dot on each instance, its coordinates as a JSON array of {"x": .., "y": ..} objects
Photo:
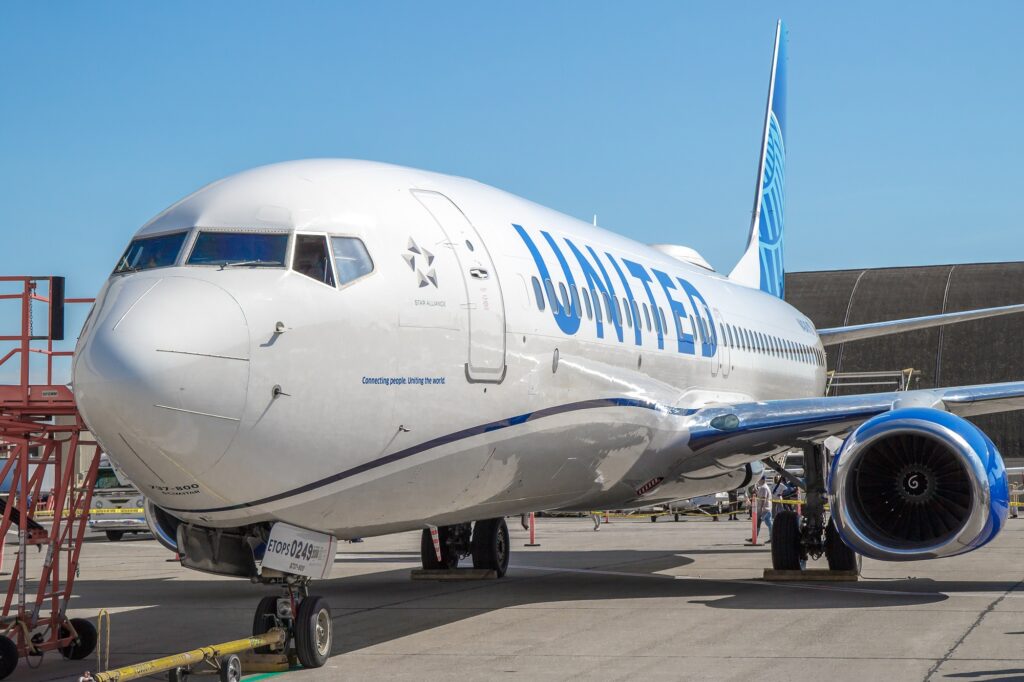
[{"x": 40, "y": 431}]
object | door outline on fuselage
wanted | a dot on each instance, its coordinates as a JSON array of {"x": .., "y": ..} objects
[
  {"x": 484, "y": 362},
  {"x": 723, "y": 351}
]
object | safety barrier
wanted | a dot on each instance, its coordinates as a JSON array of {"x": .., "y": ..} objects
[{"x": 105, "y": 510}]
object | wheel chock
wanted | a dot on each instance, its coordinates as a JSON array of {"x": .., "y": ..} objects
[
  {"x": 453, "y": 574},
  {"x": 265, "y": 663},
  {"x": 822, "y": 575}
]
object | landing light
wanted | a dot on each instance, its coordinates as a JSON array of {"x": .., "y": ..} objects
[{"x": 726, "y": 422}]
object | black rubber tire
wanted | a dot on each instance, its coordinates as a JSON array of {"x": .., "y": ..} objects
[
  {"x": 840, "y": 556},
  {"x": 428, "y": 558},
  {"x": 313, "y": 632},
  {"x": 8, "y": 656},
  {"x": 654, "y": 519},
  {"x": 261, "y": 623},
  {"x": 675, "y": 518},
  {"x": 491, "y": 546},
  {"x": 177, "y": 674},
  {"x": 115, "y": 535},
  {"x": 86, "y": 643},
  {"x": 230, "y": 668},
  {"x": 786, "y": 550}
]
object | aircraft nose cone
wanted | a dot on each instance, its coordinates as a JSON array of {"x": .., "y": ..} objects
[{"x": 161, "y": 376}]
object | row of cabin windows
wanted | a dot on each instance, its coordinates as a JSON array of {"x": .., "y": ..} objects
[
  {"x": 757, "y": 342},
  {"x": 620, "y": 311},
  {"x": 625, "y": 312}
]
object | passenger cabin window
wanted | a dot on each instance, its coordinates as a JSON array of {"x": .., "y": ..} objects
[
  {"x": 586, "y": 302},
  {"x": 351, "y": 259},
  {"x": 552, "y": 297},
  {"x": 151, "y": 252},
  {"x": 538, "y": 293},
  {"x": 239, "y": 249},
  {"x": 565, "y": 298},
  {"x": 312, "y": 259}
]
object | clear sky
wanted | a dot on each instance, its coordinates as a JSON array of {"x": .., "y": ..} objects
[{"x": 904, "y": 144}]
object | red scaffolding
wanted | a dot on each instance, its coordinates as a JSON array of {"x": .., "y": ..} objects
[{"x": 42, "y": 431}]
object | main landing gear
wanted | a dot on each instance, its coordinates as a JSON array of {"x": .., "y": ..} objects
[
  {"x": 486, "y": 541},
  {"x": 795, "y": 538},
  {"x": 305, "y": 617}
]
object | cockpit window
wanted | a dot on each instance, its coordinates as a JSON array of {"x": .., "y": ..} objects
[
  {"x": 311, "y": 258},
  {"x": 151, "y": 252},
  {"x": 351, "y": 259},
  {"x": 241, "y": 249}
]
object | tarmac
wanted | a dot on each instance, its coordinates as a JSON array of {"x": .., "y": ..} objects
[{"x": 636, "y": 600}]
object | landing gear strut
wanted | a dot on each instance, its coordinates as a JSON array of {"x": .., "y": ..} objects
[
  {"x": 486, "y": 541},
  {"x": 795, "y": 538},
  {"x": 307, "y": 620}
]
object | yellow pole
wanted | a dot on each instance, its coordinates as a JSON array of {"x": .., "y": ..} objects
[{"x": 274, "y": 637}]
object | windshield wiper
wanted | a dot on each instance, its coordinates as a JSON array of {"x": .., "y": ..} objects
[{"x": 250, "y": 263}]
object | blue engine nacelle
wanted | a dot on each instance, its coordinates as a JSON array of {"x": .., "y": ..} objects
[
  {"x": 918, "y": 483},
  {"x": 162, "y": 525}
]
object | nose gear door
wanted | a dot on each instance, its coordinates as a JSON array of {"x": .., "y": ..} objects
[{"x": 486, "y": 310}]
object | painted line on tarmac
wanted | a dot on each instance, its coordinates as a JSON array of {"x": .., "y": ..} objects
[{"x": 758, "y": 583}]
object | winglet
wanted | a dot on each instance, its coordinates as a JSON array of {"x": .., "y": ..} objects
[{"x": 762, "y": 265}]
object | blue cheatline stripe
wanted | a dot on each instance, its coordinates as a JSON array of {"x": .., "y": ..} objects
[{"x": 446, "y": 440}]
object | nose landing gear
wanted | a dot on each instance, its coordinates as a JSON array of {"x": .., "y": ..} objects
[{"x": 307, "y": 620}]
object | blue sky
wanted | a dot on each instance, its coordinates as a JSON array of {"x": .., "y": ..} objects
[{"x": 904, "y": 135}]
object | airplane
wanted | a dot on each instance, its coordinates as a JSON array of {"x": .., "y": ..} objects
[{"x": 329, "y": 349}]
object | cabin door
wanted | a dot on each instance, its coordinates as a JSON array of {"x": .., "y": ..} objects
[{"x": 485, "y": 308}]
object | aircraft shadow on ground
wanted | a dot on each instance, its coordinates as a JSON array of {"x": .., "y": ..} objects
[
  {"x": 379, "y": 607},
  {"x": 1005, "y": 675}
]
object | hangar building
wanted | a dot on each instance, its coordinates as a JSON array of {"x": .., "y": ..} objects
[{"x": 983, "y": 351}]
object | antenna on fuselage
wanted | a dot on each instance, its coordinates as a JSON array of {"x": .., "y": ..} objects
[{"x": 595, "y": 220}]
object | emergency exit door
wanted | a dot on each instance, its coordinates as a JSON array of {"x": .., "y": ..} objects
[{"x": 485, "y": 308}]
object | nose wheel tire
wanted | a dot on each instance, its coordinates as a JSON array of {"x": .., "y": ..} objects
[
  {"x": 264, "y": 619},
  {"x": 313, "y": 632},
  {"x": 787, "y": 554},
  {"x": 840, "y": 556},
  {"x": 115, "y": 535},
  {"x": 491, "y": 545}
]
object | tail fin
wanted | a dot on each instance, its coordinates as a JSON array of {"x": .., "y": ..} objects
[{"x": 762, "y": 265}]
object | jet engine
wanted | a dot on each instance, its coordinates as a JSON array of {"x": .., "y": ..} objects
[
  {"x": 224, "y": 551},
  {"x": 918, "y": 483},
  {"x": 162, "y": 525}
]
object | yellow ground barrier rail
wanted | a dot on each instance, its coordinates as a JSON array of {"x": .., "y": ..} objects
[
  {"x": 106, "y": 510},
  {"x": 210, "y": 654}
]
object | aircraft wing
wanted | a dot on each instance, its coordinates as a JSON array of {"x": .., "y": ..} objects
[
  {"x": 836, "y": 335},
  {"x": 765, "y": 428}
]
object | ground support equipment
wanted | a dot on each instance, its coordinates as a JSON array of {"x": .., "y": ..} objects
[
  {"x": 42, "y": 432},
  {"x": 228, "y": 660}
]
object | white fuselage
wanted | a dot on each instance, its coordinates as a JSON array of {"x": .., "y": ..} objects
[{"x": 432, "y": 390}]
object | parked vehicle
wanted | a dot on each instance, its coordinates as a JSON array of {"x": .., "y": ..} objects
[{"x": 116, "y": 504}]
